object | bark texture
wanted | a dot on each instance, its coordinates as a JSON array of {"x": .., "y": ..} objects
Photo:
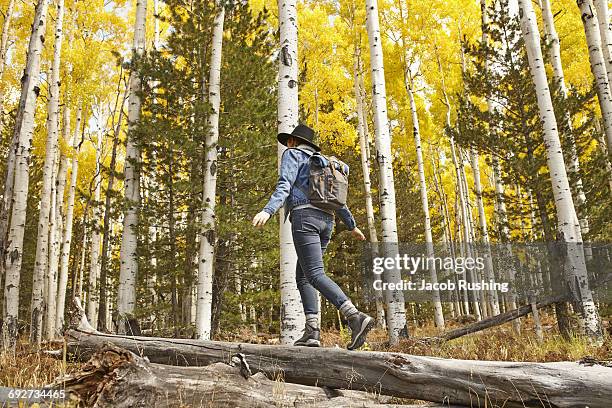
[
  {"x": 208, "y": 233},
  {"x": 128, "y": 271},
  {"x": 554, "y": 50},
  {"x": 598, "y": 64},
  {"x": 115, "y": 377},
  {"x": 396, "y": 313},
  {"x": 42, "y": 241},
  {"x": 19, "y": 178},
  {"x": 67, "y": 234},
  {"x": 438, "y": 315},
  {"x": 568, "y": 224},
  {"x": 458, "y": 382},
  {"x": 292, "y": 315}
]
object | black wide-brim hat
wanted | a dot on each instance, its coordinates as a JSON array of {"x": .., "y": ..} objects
[{"x": 301, "y": 132}]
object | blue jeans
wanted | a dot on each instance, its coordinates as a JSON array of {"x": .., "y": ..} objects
[{"x": 312, "y": 230}]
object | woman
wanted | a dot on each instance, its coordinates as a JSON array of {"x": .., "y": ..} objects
[{"x": 311, "y": 228}]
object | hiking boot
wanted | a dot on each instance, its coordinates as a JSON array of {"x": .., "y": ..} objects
[
  {"x": 360, "y": 325},
  {"x": 311, "y": 338}
]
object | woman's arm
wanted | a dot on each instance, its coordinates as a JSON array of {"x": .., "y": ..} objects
[
  {"x": 347, "y": 217},
  {"x": 288, "y": 174}
]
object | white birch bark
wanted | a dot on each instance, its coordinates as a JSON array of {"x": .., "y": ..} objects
[
  {"x": 292, "y": 314},
  {"x": 605, "y": 34},
  {"x": 126, "y": 294},
  {"x": 51, "y": 328},
  {"x": 6, "y": 25},
  {"x": 364, "y": 145},
  {"x": 78, "y": 291},
  {"x": 568, "y": 224},
  {"x": 448, "y": 245},
  {"x": 464, "y": 295},
  {"x": 364, "y": 149},
  {"x": 466, "y": 242},
  {"x": 67, "y": 234},
  {"x": 438, "y": 314},
  {"x": 479, "y": 296},
  {"x": 396, "y": 312},
  {"x": 42, "y": 241},
  {"x": 49, "y": 283},
  {"x": 208, "y": 232},
  {"x": 475, "y": 160},
  {"x": 94, "y": 254},
  {"x": 484, "y": 232},
  {"x": 598, "y": 64},
  {"x": 559, "y": 77},
  {"x": 24, "y": 127}
]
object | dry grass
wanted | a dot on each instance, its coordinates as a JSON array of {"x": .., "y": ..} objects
[
  {"x": 499, "y": 343},
  {"x": 28, "y": 368}
]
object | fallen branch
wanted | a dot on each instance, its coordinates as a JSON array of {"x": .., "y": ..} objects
[
  {"x": 513, "y": 314},
  {"x": 498, "y": 319}
]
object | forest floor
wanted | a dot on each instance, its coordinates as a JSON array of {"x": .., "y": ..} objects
[{"x": 32, "y": 369}]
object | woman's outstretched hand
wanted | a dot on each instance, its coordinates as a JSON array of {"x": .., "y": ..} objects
[
  {"x": 357, "y": 234},
  {"x": 260, "y": 219}
]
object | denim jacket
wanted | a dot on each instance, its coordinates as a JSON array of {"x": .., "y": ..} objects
[{"x": 293, "y": 182}]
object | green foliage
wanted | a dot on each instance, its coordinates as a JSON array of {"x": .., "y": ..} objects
[
  {"x": 512, "y": 131},
  {"x": 171, "y": 137}
]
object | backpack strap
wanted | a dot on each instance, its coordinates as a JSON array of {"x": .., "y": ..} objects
[{"x": 309, "y": 154}]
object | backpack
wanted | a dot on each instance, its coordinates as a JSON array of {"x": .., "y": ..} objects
[{"x": 327, "y": 182}]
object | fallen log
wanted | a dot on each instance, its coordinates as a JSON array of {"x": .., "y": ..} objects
[
  {"x": 117, "y": 378},
  {"x": 446, "y": 381}
]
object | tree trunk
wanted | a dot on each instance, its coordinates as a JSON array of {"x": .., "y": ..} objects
[
  {"x": 171, "y": 262},
  {"x": 438, "y": 315},
  {"x": 460, "y": 382},
  {"x": 466, "y": 242},
  {"x": 605, "y": 34},
  {"x": 102, "y": 300},
  {"x": 55, "y": 238},
  {"x": 475, "y": 160},
  {"x": 291, "y": 312},
  {"x": 364, "y": 146},
  {"x": 126, "y": 294},
  {"x": 568, "y": 225},
  {"x": 94, "y": 254},
  {"x": 396, "y": 312},
  {"x": 77, "y": 287},
  {"x": 6, "y": 25},
  {"x": 552, "y": 38},
  {"x": 598, "y": 65},
  {"x": 42, "y": 241},
  {"x": 24, "y": 127},
  {"x": 67, "y": 238},
  {"x": 463, "y": 302},
  {"x": 115, "y": 377},
  {"x": 208, "y": 232},
  {"x": 51, "y": 328}
]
